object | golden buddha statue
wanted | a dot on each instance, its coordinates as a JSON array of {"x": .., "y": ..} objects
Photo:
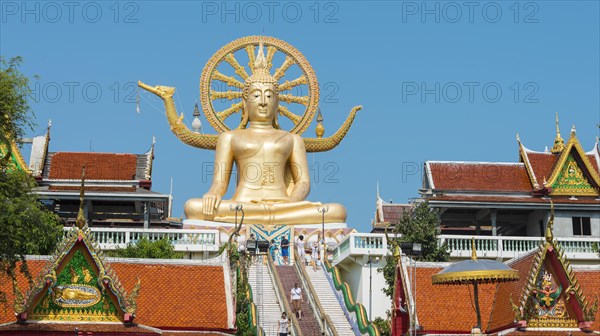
[{"x": 273, "y": 176}]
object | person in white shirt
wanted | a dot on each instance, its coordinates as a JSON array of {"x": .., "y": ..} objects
[
  {"x": 300, "y": 247},
  {"x": 283, "y": 325},
  {"x": 315, "y": 253},
  {"x": 296, "y": 298}
]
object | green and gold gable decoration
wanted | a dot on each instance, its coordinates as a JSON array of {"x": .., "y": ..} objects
[
  {"x": 552, "y": 297},
  {"x": 77, "y": 285}
]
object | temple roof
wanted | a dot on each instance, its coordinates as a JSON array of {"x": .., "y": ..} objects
[
  {"x": 387, "y": 213},
  {"x": 175, "y": 294},
  {"x": 102, "y": 166},
  {"x": 478, "y": 176},
  {"x": 563, "y": 174},
  {"x": 437, "y": 304},
  {"x": 548, "y": 294}
]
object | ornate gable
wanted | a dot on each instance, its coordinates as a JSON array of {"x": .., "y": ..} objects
[
  {"x": 573, "y": 173},
  {"x": 552, "y": 297},
  {"x": 525, "y": 159},
  {"x": 77, "y": 284},
  {"x": 9, "y": 152}
]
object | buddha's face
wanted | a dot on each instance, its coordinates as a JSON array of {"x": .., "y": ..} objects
[{"x": 261, "y": 102}]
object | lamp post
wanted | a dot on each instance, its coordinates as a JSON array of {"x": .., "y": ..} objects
[
  {"x": 370, "y": 262},
  {"x": 413, "y": 250},
  {"x": 370, "y": 287},
  {"x": 323, "y": 211}
]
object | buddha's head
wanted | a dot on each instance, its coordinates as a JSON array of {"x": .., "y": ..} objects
[{"x": 259, "y": 98}]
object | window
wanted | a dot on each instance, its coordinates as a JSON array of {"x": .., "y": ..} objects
[{"x": 581, "y": 226}]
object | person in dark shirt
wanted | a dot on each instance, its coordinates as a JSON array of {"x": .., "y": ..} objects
[{"x": 285, "y": 249}]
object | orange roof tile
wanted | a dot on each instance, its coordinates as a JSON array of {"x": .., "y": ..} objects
[
  {"x": 177, "y": 296},
  {"x": 479, "y": 176},
  {"x": 436, "y": 303},
  {"x": 393, "y": 212},
  {"x": 99, "y": 166},
  {"x": 542, "y": 165},
  {"x": 172, "y": 297},
  {"x": 590, "y": 284},
  {"x": 502, "y": 315},
  {"x": 449, "y": 308}
]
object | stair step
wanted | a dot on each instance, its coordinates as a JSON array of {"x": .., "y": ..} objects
[{"x": 328, "y": 299}]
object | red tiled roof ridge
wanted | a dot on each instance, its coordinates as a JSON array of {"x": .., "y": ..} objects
[
  {"x": 477, "y": 162},
  {"x": 433, "y": 264},
  {"x": 96, "y": 153},
  {"x": 484, "y": 193},
  {"x": 170, "y": 262},
  {"x": 449, "y": 197},
  {"x": 521, "y": 256},
  {"x": 585, "y": 268},
  {"x": 533, "y": 151},
  {"x": 595, "y": 150}
]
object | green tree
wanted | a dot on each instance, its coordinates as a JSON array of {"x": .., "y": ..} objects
[
  {"x": 596, "y": 248},
  {"x": 144, "y": 248},
  {"x": 16, "y": 116},
  {"x": 383, "y": 326},
  {"x": 421, "y": 225},
  {"x": 26, "y": 227}
]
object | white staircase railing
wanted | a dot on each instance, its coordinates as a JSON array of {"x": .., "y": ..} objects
[{"x": 360, "y": 244}]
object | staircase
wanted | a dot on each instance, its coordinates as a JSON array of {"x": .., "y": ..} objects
[
  {"x": 270, "y": 312},
  {"x": 328, "y": 299},
  {"x": 308, "y": 324}
]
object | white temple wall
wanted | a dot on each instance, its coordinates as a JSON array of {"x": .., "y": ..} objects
[
  {"x": 357, "y": 277},
  {"x": 533, "y": 223},
  {"x": 563, "y": 223}
]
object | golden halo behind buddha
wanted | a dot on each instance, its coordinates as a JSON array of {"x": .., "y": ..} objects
[{"x": 259, "y": 66}]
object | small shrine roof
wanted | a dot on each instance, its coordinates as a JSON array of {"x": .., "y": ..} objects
[
  {"x": 548, "y": 293},
  {"x": 173, "y": 296},
  {"x": 437, "y": 304}
]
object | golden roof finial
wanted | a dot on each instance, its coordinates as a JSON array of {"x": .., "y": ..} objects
[
  {"x": 550, "y": 226},
  {"x": 573, "y": 131},
  {"x": 473, "y": 251},
  {"x": 80, "y": 222},
  {"x": 320, "y": 129},
  {"x": 559, "y": 143}
]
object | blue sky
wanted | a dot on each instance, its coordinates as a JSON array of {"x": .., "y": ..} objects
[{"x": 438, "y": 81}]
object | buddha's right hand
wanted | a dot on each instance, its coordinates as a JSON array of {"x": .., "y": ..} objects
[{"x": 210, "y": 202}]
